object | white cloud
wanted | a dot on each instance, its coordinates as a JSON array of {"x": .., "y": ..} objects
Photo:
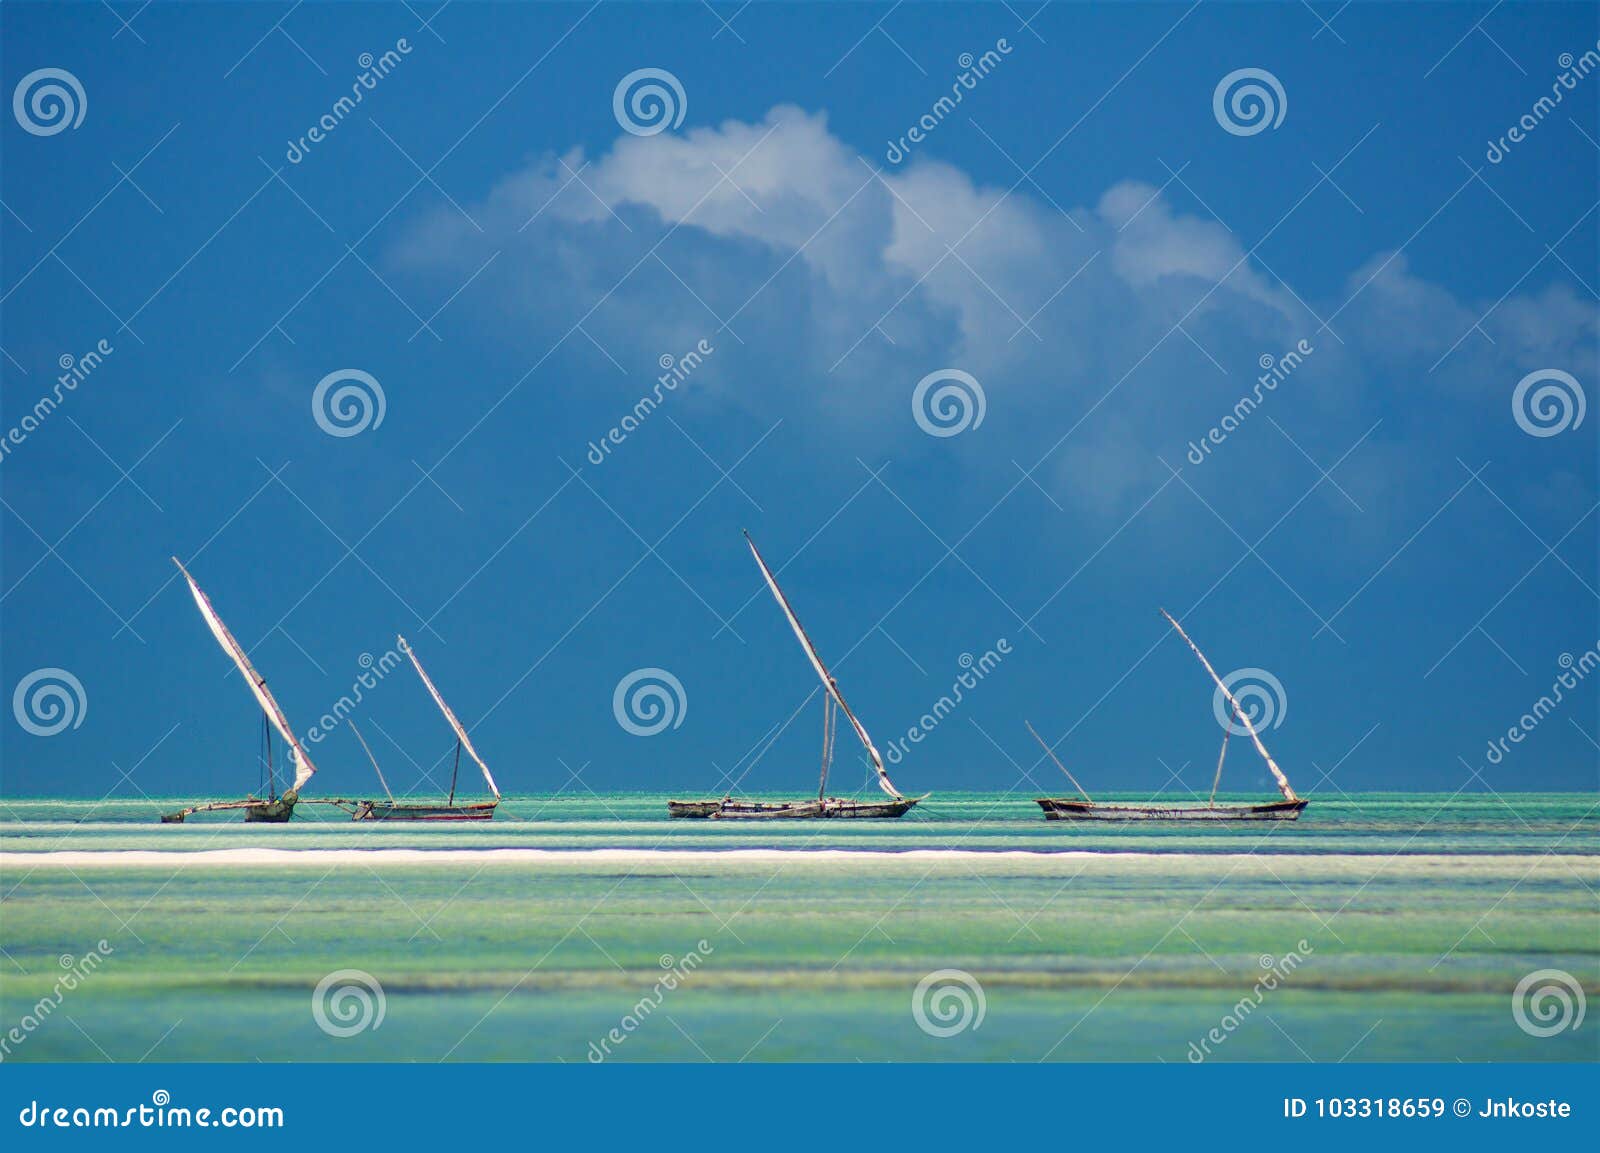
[{"x": 846, "y": 282}]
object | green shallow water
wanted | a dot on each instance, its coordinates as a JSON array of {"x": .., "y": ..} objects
[{"x": 1419, "y": 915}]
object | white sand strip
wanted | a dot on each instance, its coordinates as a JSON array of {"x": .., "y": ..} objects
[{"x": 257, "y": 858}]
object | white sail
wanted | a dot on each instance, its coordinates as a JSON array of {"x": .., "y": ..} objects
[
  {"x": 461, "y": 733},
  {"x": 1238, "y": 711},
  {"x": 828, "y": 682},
  {"x": 303, "y": 768}
]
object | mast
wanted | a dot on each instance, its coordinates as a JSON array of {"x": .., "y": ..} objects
[
  {"x": 303, "y": 768},
  {"x": 1227, "y": 732},
  {"x": 829, "y": 727},
  {"x": 268, "y": 771},
  {"x": 1238, "y": 711},
  {"x": 828, "y": 682},
  {"x": 1051, "y": 752},
  {"x": 371, "y": 758},
  {"x": 461, "y": 733}
]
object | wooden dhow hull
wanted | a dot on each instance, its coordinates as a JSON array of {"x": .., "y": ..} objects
[
  {"x": 1073, "y": 809},
  {"x": 693, "y": 809},
  {"x": 831, "y": 809},
  {"x": 257, "y": 811},
  {"x": 400, "y": 811},
  {"x": 270, "y": 812}
]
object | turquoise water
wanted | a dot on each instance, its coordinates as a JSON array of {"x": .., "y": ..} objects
[{"x": 1418, "y": 916}]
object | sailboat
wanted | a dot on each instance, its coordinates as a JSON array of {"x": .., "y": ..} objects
[
  {"x": 393, "y": 810},
  {"x": 272, "y": 809},
  {"x": 833, "y": 703},
  {"x": 1288, "y": 809}
]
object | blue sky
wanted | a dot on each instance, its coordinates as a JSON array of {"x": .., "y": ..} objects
[{"x": 1082, "y": 235}]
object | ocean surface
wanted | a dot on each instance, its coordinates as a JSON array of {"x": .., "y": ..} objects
[{"x": 1378, "y": 927}]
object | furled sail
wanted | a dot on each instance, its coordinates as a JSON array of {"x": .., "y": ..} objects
[
  {"x": 461, "y": 733},
  {"x": 828, "y": 682},
  {"x": 1238, "y": 711},
  {"x": 303, "y": 768}
]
